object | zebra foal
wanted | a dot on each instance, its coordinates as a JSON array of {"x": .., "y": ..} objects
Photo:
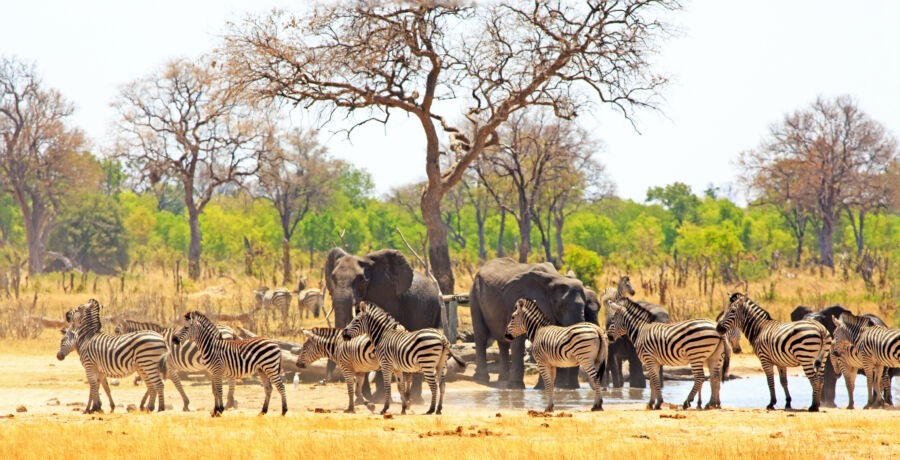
[
  {"x": 582, "y": 344},
  {"x": 858, "y": 343},
  {"x": 782, "y": 345},
  {"x": 233, "y": 359},
  {"x": 694, "y": 342},
  {"x": 184, "y": 357},
  {"x": 355, "y": 358},
  {"x": 400, "y": 352},
  {"x": 115, "y": 356}
]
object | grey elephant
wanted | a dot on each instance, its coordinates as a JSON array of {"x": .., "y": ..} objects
[
  {"x": 496, "y": 288},
  {"x": 386, "y": 279}
]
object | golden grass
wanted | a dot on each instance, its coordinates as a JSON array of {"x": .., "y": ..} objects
[{"x": 459, "y": 434}]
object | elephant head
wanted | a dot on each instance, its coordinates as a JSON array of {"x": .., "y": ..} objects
[
  {"x": 379, "y": 277},
  {"x": 563, "y": 300}
]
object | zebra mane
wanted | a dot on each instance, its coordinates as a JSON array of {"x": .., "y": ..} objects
[
  {"x": 90, "y": 319},
  {"x": 326, "y": 332},
  {"x": 205, "y": 323},
  {"x": 854, "y": 322},
  {"x": 635, "y": 309},
  {"x": 751, "y": 305},
  {"x": 382, "y": 317},
  {"x": 132, "y": 325},
  {"x": 533, "y": 311}
]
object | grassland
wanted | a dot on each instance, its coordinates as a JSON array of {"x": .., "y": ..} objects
[{"x": 54, "y": 393}]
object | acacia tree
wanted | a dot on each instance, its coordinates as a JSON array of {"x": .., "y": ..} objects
[
  {"x": 295, "y": 178},
  {"x": 492, "y": 60},
  {"x": 832, "y": 152},
  {"x": 185, "y": 123},
  {"x": 40, "y": 154}
]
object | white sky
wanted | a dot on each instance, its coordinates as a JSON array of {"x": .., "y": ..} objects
[{"x": 735, "y": 66}]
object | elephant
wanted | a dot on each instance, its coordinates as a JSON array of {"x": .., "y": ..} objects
[
  {"x": 386, "y": 279},
  {"x": 496, "y": 288},
  {"x": 826, "y": 317},
  {"x": 622, "y": 350}
]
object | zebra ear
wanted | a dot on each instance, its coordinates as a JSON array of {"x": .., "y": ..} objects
[
  {"x": 306, "y": 333},
  {"x": 837, "y": 322}
]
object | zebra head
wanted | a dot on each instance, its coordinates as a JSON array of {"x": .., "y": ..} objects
[
  {"x": 616, "y": 325},
  {"x": 733, "y": 336},
  {"x": 731, "y": 317},
  {"x": 360, "y": 324},
  {"x": 623, "y": 288},
  {"x": 517, "y": 324},
  {"x": 190, "y": 329},
  {"x": 86, "y": 317},
  {"x": 846, "y": 333},
  {"x": 310, "y": 351},
  {"x": 67, "y": 343}
]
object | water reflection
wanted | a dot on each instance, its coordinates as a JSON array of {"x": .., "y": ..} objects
[{"x": 751, "y": 392}]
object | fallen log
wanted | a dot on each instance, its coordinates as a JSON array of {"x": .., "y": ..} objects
[{"x": 292, "y": 347}]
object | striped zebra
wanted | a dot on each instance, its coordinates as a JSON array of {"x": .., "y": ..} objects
[
  {"x": 310, "y": 301},
  {"x": 278, "y": 298},
  {"x": 581, "y": 344},
  {"x": 782, "y": 345},
  {"x": 613, "y": 294},
  {"x": 355, "y": 358},
  {"x": 233, "y": 359},
  {"x": 694, "y": 342},
  {"x": 400, "y": 352},
  {"x": 860, "y": 344},
  {"x": 733, "y": 336},
  {"x": 66, "y": 345},
  {"x": 107, "y": 356},
  {"x": 185, "y": 357}
]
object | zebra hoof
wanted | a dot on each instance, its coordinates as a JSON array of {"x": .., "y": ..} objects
[
  {"x": 814, "y": 408},
  {"x": 349, "y": 411},
  {"x": 185, "y": 409},
  {"x": 686, "y": 405},
  {"x": 597, "y": 408},
  {"x": 430, "y": 411},
  {"x": 770, "y": 406},
  {"x": 283, "y": 411}
]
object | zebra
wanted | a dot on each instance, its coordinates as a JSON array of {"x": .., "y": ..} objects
[
  {"x": 181, "y": 358},
  {"x": 355, "y": 358},
  {"x": 400, "y": 352},
  {"x": 800, "y": 343},
  {"x": 858, "y": 343},
  {"x": 279, "y": 298},
  {"x": 103, "y": 355},
  {"x": 233, "y": 359},
  {"x": 310, "y": 301},
  {"x": 581, "y": 344},
  {"x": 693, "y": 342},
  {"x": 733, "y": 336},
  {"x": 66, "y": 345},
  {"x": 613, "y": 294}
]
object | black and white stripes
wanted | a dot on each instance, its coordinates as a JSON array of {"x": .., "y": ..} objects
[
  {"x": 782, "y": 345},
  {"x": 693, "y": 342},
  {"x": 355, "y": 358},
  {"x": 234, "y": 359},
  {"x": 582, "y": 344},
  {"x": 106, "y": 356},
  {"x": 858, "y": 343},
  {"x": 400, "y": 352}
]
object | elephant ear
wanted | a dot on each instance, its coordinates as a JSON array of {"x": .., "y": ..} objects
[
  {"x": 536, "y": 285},
  {"x": 330, "y": 261},
  {"x": 391, "y": 269}
]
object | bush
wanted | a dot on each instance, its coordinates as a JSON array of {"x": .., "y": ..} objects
[{"x": 586, "y": 264}]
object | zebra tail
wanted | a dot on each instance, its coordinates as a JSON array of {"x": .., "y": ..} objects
[
  {"x": 602, "y": 355},
  {"x": 726, "y": 360},
  {"x": 821, "y": 356},
  {"x": 456, "y": 358},
  {"x": 163, "y": 365}
]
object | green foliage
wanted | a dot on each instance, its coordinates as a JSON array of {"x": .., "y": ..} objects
[
  {"x": 678, "y": 199},
  {"x": 587, "y": 264},
  {"x": 91, "y": 233}
]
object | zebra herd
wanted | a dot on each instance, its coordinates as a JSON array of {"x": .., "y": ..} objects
[{"x": 374, "y": 341}]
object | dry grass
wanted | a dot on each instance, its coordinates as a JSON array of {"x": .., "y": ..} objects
[{"x": 478, "y": 434}]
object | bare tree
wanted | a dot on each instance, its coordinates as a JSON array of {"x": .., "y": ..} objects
[
  {"x": 185, "y": 123},
  {"x": 295, "y": 178},
  {"x": 41, "y": 158},
  {"x": 836, "y": 151},
  {"x": 380, "y": 57}
]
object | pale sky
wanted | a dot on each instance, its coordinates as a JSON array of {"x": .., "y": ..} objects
[{"x": 735, "y": 67}]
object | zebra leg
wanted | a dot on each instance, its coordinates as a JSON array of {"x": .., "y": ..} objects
[
  {"x": 151, "y": 392},
  {"x": 176, "y": 380},
  {"x": 653, "y": 371},
  {"x": 112, "y": 405},
  {"x": 232, "y": 404},
  {"x": 401, "y": 387},
  {"x": 594, "y": 378},
  {"x": 877, "y": 385},
  {"x": 816, "y": 379},
  {"x": 217, "y": 395},
  {"x": 885, "y": 387},
  {"x": 360, "y": 396},
  {"x": 870, "y": 379},
  {"x": 782, "y": 376},
  {"x": 386, "y": 376},
  {"x": 849, "y": 380},
  {"x": 93, "y": 404},
  {"x": 267, "y": 386},
  {"x": 351, "y": 386},
  {"x": 770, "y": 379},
  {"x": 714, "y": 363},
  {"x": 442, "y": 387},
  {"x": 699, "y": 377},
  {"x": 549, "y": 375},
  {"x": 431, "y": 377},
  {"x": 278, "y": 382}
]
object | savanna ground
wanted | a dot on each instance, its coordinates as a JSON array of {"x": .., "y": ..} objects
[{"x": 54, "y": 394}]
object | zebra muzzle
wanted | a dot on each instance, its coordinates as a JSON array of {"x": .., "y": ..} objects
[{"x": 508, "y": 337}]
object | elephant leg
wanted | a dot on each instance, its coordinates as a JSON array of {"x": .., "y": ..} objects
[
  {"x": 636, "y": 378},
  {"x": 481, "y": 342},
  {"x": 615, "y": 365},
  {"x": 379, "y": 383},
  {"x": 517, "y": 365},
  {"x": 567, "y": 378},
  {"x": 828, "y": 387},
  {"x": 504, "y": 364},
  {"x": 415, "y": 392}
]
